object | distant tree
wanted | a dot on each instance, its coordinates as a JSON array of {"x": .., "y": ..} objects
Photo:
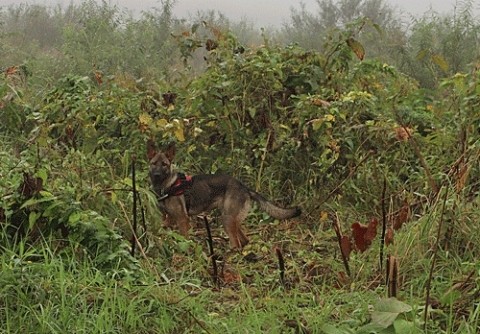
[
  {"x": 310, "y": 30},
  {"x": 441, "y": 45}
]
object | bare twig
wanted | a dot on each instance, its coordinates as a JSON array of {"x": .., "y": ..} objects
[
  {"x": 338, "y": 232},
  {"x": 384, "y": 221},
  {"x": 212, "y": 255},
  {"x": 134, "y": 190},
  {"x": 281, "y": 265}
]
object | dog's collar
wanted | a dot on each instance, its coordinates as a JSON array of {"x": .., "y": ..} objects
[{"x": 182, "y": 183}]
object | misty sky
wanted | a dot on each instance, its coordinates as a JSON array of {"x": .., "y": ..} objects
[{"x": 262, "y": 12}]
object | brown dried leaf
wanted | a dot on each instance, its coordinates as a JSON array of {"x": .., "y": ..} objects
[
  {"x": 403, "y": 133},
  {"x": 346, "y": 246},
  {"x": 356, "y": 47},
  {"x": 389, "y": 236},
  {"x": 401, "y": 216},
  {"x": 462, "y": 176},
  {"x": 363, "y": 235},
  {"x": 230, "y": 276}
]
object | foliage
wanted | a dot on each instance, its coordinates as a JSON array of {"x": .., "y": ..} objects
[{"x": 349, "y": 137}]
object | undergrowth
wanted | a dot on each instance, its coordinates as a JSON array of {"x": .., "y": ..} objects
[{"x": 384, "y": 171}]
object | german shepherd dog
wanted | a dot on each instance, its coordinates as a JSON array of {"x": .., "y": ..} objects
[{"x": 181, "y": 196}]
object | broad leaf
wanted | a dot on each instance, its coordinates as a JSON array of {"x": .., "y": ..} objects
[{"x": 387, "y": 311}]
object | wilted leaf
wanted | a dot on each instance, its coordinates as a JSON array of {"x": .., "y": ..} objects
[
  {"x": 462, "y": 176},
  {"x": 389, "y": 236},
  {"x": 229, "y": 276},
  {"x": 356, "y": 47},
  {"x": 320, "y": 102},
  {"x": 363, "y": 235},
  {"x": 402, "y": 216},
  {"x": 98, "y": 77},
  {"x": 403, "y": 133}
]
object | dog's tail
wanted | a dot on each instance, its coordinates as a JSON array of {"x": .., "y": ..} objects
[{"x": 274, "y": 210}]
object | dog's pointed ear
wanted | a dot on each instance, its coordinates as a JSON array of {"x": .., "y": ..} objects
[
  {"x": 152, "y": 149},
  {"x": 170, "y": 151}
]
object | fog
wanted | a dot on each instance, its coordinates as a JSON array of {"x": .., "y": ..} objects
[{"x": 262, "y": 13}]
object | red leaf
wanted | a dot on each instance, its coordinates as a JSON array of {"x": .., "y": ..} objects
[{"x": 363, "y": 235}]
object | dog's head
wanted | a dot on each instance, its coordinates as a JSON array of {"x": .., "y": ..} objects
[{"x": 161, "y": 165}]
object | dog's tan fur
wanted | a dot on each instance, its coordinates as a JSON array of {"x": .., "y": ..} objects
[{"x": 208, "y": 192}]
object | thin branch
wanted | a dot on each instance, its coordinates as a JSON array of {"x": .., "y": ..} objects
[
  {"x": 338, "y": 232},
  {"x": 434, "y": 259},
  {"x": 212, "y": 255},
  {"x": 384, "y": 221},
  {"x": 134, "y": 190}
]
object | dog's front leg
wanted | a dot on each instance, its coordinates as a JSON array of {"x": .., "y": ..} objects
[{"x": 177, "y": 213}]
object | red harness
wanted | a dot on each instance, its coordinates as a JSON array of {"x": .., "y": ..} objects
[{"x": 183, "y": 183}]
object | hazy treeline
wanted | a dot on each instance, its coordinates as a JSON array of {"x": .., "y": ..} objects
[{"x": 81, "y": 39}]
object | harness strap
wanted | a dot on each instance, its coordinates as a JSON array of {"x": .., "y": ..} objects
[{"x": 182, "y": 184}]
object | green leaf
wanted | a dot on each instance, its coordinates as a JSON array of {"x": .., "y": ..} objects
[
  {"x": 32, "y": 218},
  {"x": 35, "y": 201},
  {"x": 42, "y": 173},
  {"x": 403, "y": 326},
  {"x": 330, "y": 329},
  {"x": 387, "y": 310}
]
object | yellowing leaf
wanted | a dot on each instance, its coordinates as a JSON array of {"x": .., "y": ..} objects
[
  {"x": 440, "y": 62},
  {"x": 317, "y": 123},
  {"x": 323, "y": 216},
  {"x": 145, "y": 119},
  {"x": 179, "y": 134},
  {"x": 162, "y": 123},
  {"x": 329, "y": 118},
  {"x": 356, "y": 47}
]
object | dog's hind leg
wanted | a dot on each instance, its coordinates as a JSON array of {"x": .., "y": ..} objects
[
  {"x": 231, "y": 229},
  {"x": 231, "y": 224}
]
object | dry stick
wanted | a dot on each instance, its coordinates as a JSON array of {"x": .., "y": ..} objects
[
  {"x": 147, "y": 259},
  {"x": 210, "y": 249},
  {"x": 392, "y": 276},
  {"x": 281, "y": 265},
  {"x": 144, "y": 223},
  {"x": 338, "y": 232},
  {"x": 262, "y": 163},
  {"x": 134, "y": 190},
  {"x": 434, "y": 258},
  {"x": 384, "y": 221}
]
